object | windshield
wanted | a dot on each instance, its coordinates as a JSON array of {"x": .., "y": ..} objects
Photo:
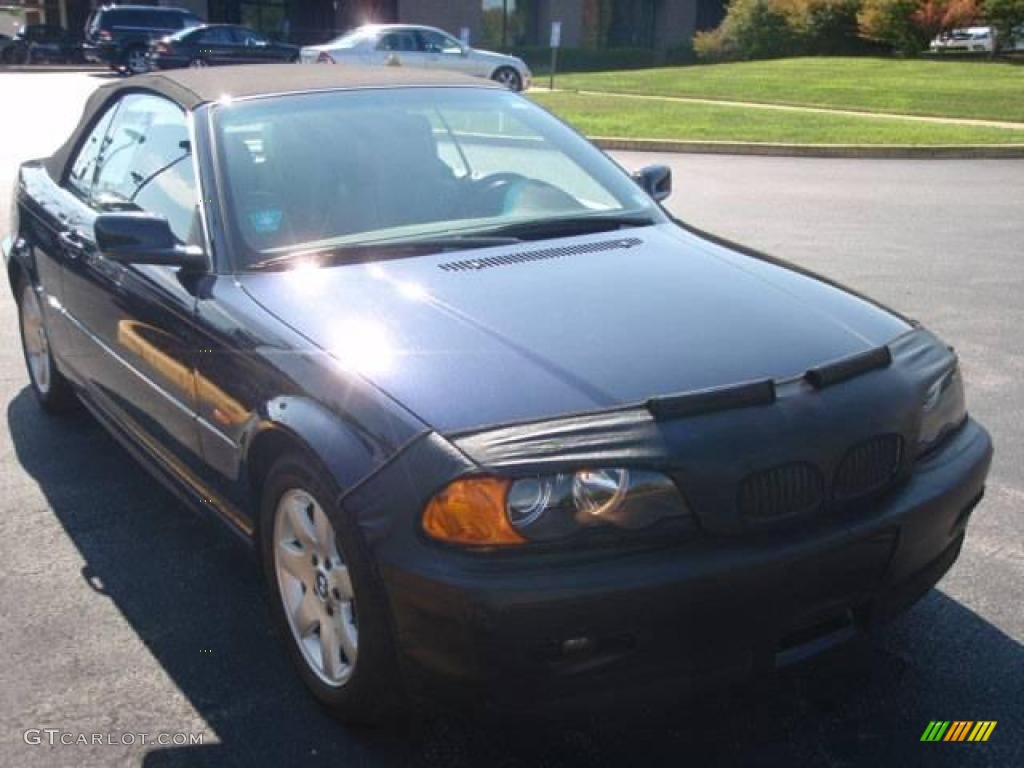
[{"x": 312, "y": 172}]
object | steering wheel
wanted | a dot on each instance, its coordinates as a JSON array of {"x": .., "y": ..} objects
[{"x": 493, "y": 191}]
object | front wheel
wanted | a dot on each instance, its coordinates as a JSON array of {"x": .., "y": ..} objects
[
  {"x": 508, "y": 77},
  {"x": 135, "y": 60},
  {"x": 51, "y": 389},
  {"x": 197, "y": 63},
  {"x": 325, "y": 597}
]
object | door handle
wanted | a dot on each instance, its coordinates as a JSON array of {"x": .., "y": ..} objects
[{"x": 72, "y": 242}]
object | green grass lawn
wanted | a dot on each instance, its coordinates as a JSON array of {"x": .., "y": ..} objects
[
  {"x": 979, "y": 89},
  {"x": 621, "y": 116}
]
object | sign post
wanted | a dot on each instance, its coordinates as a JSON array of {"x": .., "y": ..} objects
[{"x": 556, "y": 41}]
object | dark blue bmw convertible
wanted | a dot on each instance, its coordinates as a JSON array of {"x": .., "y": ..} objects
[{"x": 497, "y": 424}]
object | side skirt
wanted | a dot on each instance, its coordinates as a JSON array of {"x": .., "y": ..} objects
[{"x": 178, "y": 480}]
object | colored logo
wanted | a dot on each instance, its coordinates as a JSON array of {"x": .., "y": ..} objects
[{"x": 958, "y": 730}]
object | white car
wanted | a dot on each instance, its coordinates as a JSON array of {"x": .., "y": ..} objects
[
  {"x": 415, "y": 46},
  {"x": 969, "y": 40}
]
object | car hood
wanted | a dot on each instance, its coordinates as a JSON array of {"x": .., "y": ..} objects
[{"x": 515, "y": 333}]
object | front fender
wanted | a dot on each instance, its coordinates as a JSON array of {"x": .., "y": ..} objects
[{"x": 345, "y": 449}]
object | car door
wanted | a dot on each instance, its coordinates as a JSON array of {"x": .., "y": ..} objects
[
  {"x": 400, "y": 47},
  {"x": 51, "y": 217},
  {"x": 443, "y": 51},
  {"x": 253, "y": 48},
  {"x": 218, "y": 45},
  {"x": 134, "y": 324}
]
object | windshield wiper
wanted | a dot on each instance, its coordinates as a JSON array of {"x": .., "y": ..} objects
[
  {"x": 363, "y": 252},
  {"x": 570, "y": 225}
]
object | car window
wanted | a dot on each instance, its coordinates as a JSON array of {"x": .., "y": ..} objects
[
  {"x": 248, "y": 37},
  {"x": 437, "y": 42},
  {"x": 405, "y": 41},
  {"x": 217, "y": 36},
  {"x": 146, "y": 164},
  {"x": 83, "y": 168}
]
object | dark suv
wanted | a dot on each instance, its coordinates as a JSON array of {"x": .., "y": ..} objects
[{"x": 120, "y": 35}]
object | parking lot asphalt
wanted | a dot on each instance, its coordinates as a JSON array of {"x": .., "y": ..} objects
[{"x": 122, "y": 612}]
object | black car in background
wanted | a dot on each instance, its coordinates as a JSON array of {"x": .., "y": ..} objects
[
  {"x": 120, "y": 36},
  {"x": 36, "y": 43},
  {"x": 215, "y": 44}
]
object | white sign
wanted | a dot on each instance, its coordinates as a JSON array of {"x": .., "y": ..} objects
[
  {"x": 464, "y": 36},
  {"x": 556, "y": 34}
]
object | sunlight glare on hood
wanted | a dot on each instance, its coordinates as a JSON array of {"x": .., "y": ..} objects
[
  {"x": 305, "y": 277},
  {"x": 363, "y": 346}
]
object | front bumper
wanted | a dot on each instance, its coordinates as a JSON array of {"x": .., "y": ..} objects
[{"x": 503, "y": 629}]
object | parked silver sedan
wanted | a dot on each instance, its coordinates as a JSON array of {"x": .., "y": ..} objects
[{"x": 419, "y": 47}]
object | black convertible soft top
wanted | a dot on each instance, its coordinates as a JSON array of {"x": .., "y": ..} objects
[{"x": 192, "y": 87}]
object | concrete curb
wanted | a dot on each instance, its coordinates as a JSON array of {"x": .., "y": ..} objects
[{"x": 883, "y": 151}]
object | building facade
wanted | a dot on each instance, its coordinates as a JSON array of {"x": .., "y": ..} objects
[{"x": 503, "y": 24}]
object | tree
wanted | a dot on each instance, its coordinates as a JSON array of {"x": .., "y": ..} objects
[{"x": 1006, "y": 16}]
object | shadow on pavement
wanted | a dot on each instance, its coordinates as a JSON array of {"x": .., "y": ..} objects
[{"x": 183, "y": 583}]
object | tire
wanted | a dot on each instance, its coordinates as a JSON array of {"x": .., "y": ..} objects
[
  {"x": 197, "y": 63},
  {"x": 508, "y": 77},
  {"x": 54, "y": 393},
  {"x": 363, "y": 684},
  {"x": 135, "y": 60}
]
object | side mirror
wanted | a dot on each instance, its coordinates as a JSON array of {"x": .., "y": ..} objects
[
  {"x": 144, "y": 238},
  {"x": 655, "y": 180}
]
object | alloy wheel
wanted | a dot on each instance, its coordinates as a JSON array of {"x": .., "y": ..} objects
[
  {"x": 315, "y": 587},
  {"x": 137, "y": 63},
  {"x": 33, "y": 336},
  {"x": 509, "y": 78}
]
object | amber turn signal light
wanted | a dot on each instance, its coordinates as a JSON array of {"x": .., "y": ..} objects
[{"x": 471, "y": 511}]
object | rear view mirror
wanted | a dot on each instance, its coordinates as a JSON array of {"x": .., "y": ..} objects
[
  {"x": 144, "y": 238},
  {"x": 655, "y": 180}
]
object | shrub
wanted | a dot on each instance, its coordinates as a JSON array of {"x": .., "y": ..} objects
[
  {"x": 714, "y": 45},
  {"x": 935, "y": 16},
  {"x": 825, "y": 27},
  {"x": 1005, "y": 16},
  {"x": 760, "y": 29},
  {"x": 909, "y": 25},
  {"x": 892, "y": 22}
]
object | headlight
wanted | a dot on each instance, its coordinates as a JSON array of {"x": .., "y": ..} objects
[
  {"x": 488, "y": 510},
  {"x": 944, "y": 409}
]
